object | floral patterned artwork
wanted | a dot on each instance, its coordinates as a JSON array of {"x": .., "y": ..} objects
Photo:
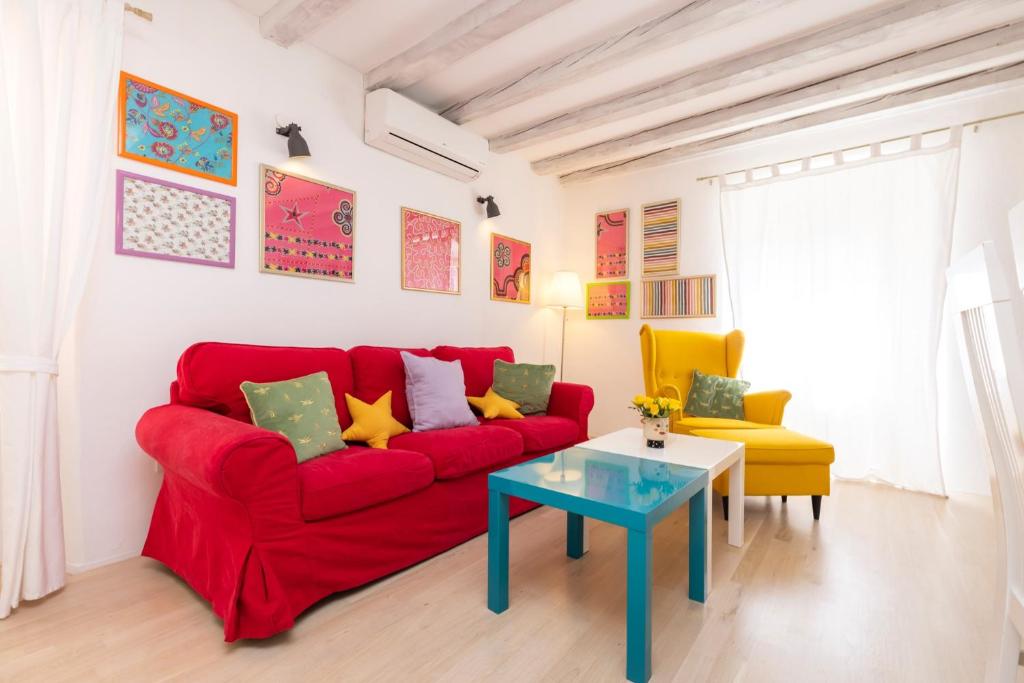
[
  {"x": 612, "y": 238},
  {"x": 431, "y": 260},
  {"x": 510, "y": 269},
  {"x": 163, "y": 220},
  {"x": 163, "y": 127},
  {"x": 607, "y": 300},
  {"x": 307, "y": 227}
]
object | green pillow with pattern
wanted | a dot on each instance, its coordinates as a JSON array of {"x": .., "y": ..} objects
[
  {"x": 525, "y": 384},
  {"x": 302, "y": 409},
  {"x": 715, "y": 396}
]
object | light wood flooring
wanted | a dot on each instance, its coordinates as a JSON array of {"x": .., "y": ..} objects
[{"x": 889, "y": 586}]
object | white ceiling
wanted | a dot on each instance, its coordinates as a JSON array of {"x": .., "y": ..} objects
[{"x": 366, "y": 33}]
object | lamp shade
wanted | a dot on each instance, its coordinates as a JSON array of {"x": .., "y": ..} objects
[{"x": 565, "y": 290}]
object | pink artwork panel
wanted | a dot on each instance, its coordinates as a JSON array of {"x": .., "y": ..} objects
[
  {"x": 308, "y": 226},
  {"x": 612, "y": 228},
  {"x": 608, "y": 300},
  {"x": 430, "y": 252},
  {"x": 510, "y": 269}
]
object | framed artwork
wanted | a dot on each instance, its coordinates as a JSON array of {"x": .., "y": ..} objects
[
  {"x": 660, "y": 222},
  {"x": 163, "y": 127},
  {"x": 307, "y": 226},
  {"x": 164, "y": 220},
  {"x": 608, "y": 300},
  {"x": 510, "y": 269},
  {"x": 612, "y": 245},
  {"x": 685, "y": 297},
  {"x": 431, "y": 253}
]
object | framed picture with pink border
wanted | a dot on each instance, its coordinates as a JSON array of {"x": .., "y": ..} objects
[
  {"x": 608, "y": 300},
  {"x": 611, "y": 259},
  {"x": 431, "y": 253},
  {"x": 510, "y": 269},
  {"x": 164, "y": 220},
  {"x": 307, "y": 226}
]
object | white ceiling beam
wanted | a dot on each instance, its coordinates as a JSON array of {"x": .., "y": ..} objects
[
  {"x": 465, "y": 35},
  {"x": 696, "y": 18},
  {"x": 291, "y": 20},
  {"x": 905, "y": 98},
  {"x": 993, "y": 48},
  {"x": 904, "y": 20}
]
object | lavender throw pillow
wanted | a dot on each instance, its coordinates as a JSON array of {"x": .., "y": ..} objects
[{"x": 436, "y": 391}]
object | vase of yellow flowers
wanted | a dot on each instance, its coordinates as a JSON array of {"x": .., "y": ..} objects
[{"x": 654, "y": 413}]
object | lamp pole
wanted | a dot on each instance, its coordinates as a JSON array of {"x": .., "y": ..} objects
[{"x": 561, "y": 364}]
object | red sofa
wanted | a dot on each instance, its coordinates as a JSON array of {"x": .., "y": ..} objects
[{"x": 263, "y": 538}]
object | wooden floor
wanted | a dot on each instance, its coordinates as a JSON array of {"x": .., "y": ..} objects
[{"x": 889, "y": 586}]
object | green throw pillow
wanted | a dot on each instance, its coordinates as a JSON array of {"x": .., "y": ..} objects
[
  {"x": 302, "y": 409},
  {"x": 714, "y": 396},
  {"x": 528, "y": 385}
]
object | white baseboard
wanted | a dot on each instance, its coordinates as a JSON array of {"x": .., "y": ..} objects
[{"x": 79, "y": 567}]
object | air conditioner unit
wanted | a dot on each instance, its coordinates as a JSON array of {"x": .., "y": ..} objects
[{"x": 408, "y": 130}]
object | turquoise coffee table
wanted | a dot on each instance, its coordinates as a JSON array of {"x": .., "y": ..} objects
[{"x": 628, "y": 491}]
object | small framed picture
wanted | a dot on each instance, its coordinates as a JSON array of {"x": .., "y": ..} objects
[
  {"x": 166, "y": 128},
  {"x": 611, "y": 240},
  {"x": 307, "y": 227},
  {"x": 164, "y": 220},
  {"x": 608, "y": 300},
  {"x": 431, "y": 253},
  {"x": 510, "y": 269}
]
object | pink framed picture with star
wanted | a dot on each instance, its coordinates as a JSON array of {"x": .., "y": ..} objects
[
  {"x": 307, "y": 226},
  {"x": 510, "y": 269}
]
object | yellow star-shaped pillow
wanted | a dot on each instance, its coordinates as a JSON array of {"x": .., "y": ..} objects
[
  {"x": 492, "y": 405},
  {"x": 372, "y": 424}
]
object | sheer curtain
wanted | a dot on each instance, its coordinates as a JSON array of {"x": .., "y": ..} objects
[
  {"x": 837, "y": 280},
  {"x": 59, "y": 62}
]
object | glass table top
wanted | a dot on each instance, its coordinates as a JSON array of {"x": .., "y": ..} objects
[{"x": 627, "y": 482}]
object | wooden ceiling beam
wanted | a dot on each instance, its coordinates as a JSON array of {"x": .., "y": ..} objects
[
  {"x": 905, "y": 19},
  {"x": 291, "y": 20},
  {"x": 986, "y": 50},
  {"x": 992, "y": 77},
  {"x": 475, "y": 29},
  {"x": 697, "y": 17}
]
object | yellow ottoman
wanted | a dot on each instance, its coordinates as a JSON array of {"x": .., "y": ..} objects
[{"x": 780, "y": 462}]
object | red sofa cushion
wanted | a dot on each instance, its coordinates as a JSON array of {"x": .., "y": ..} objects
[
  {"x": 358, "y": 477},
  {"x": 463, "y": 450},
  {"x": 209, "y": 374},
  {"x": 378, "y": 369},
  {"x": 542, "y": 432},
  {"x": 477, "y": 364}
]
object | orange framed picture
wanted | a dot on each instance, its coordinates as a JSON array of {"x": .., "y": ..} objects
[
  {"x": 510, "y": 269},
  {"x": 166, "y": 128}
]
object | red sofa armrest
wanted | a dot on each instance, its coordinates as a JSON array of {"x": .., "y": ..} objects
[
  {"x": 226, "y": 458},
  {"x": 574, "y": 401}
]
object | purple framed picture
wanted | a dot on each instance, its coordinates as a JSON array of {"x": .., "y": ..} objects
[{"x": 165, "y": 220}]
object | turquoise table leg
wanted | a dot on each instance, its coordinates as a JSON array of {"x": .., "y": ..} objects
[
  {"x": 574, "y": 535},
  {"x": 698, "y": 544},
  {"x": 497, "y": 552},
  {"x": 638, "y": 607}
]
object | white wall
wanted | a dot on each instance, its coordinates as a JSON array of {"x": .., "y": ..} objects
[
  {"x": 138, "y": 314},
  {"x": 991, "y": 181}
]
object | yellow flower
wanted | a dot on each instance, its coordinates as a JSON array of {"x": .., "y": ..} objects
[{"x": 639, "y": 399}]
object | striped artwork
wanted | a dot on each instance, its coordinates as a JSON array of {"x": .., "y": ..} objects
[
  {"x": 685, "y": 297},
  {"x": 660, "y": 238}
]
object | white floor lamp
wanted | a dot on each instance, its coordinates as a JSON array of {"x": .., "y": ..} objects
[{"x": 564, "y": 292}]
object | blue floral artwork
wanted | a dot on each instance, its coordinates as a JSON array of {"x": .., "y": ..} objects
[{"x": 166, "y": 128}]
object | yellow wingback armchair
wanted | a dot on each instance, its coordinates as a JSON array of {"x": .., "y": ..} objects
[
  {"x": 671, "y": 356},
  {"x": 779, "y": 462}
]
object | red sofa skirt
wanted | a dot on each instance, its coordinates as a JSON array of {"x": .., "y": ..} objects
[{"x": 259, "y": 588}]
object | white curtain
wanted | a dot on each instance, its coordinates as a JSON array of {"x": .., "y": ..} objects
[
  {"x": 837, "y": 278},
  {"x": 59, "y": 62}
]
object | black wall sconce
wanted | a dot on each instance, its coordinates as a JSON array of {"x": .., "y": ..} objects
[
  {"x": 297, "y": 147},
  {"x": 492, "y": 209}
]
